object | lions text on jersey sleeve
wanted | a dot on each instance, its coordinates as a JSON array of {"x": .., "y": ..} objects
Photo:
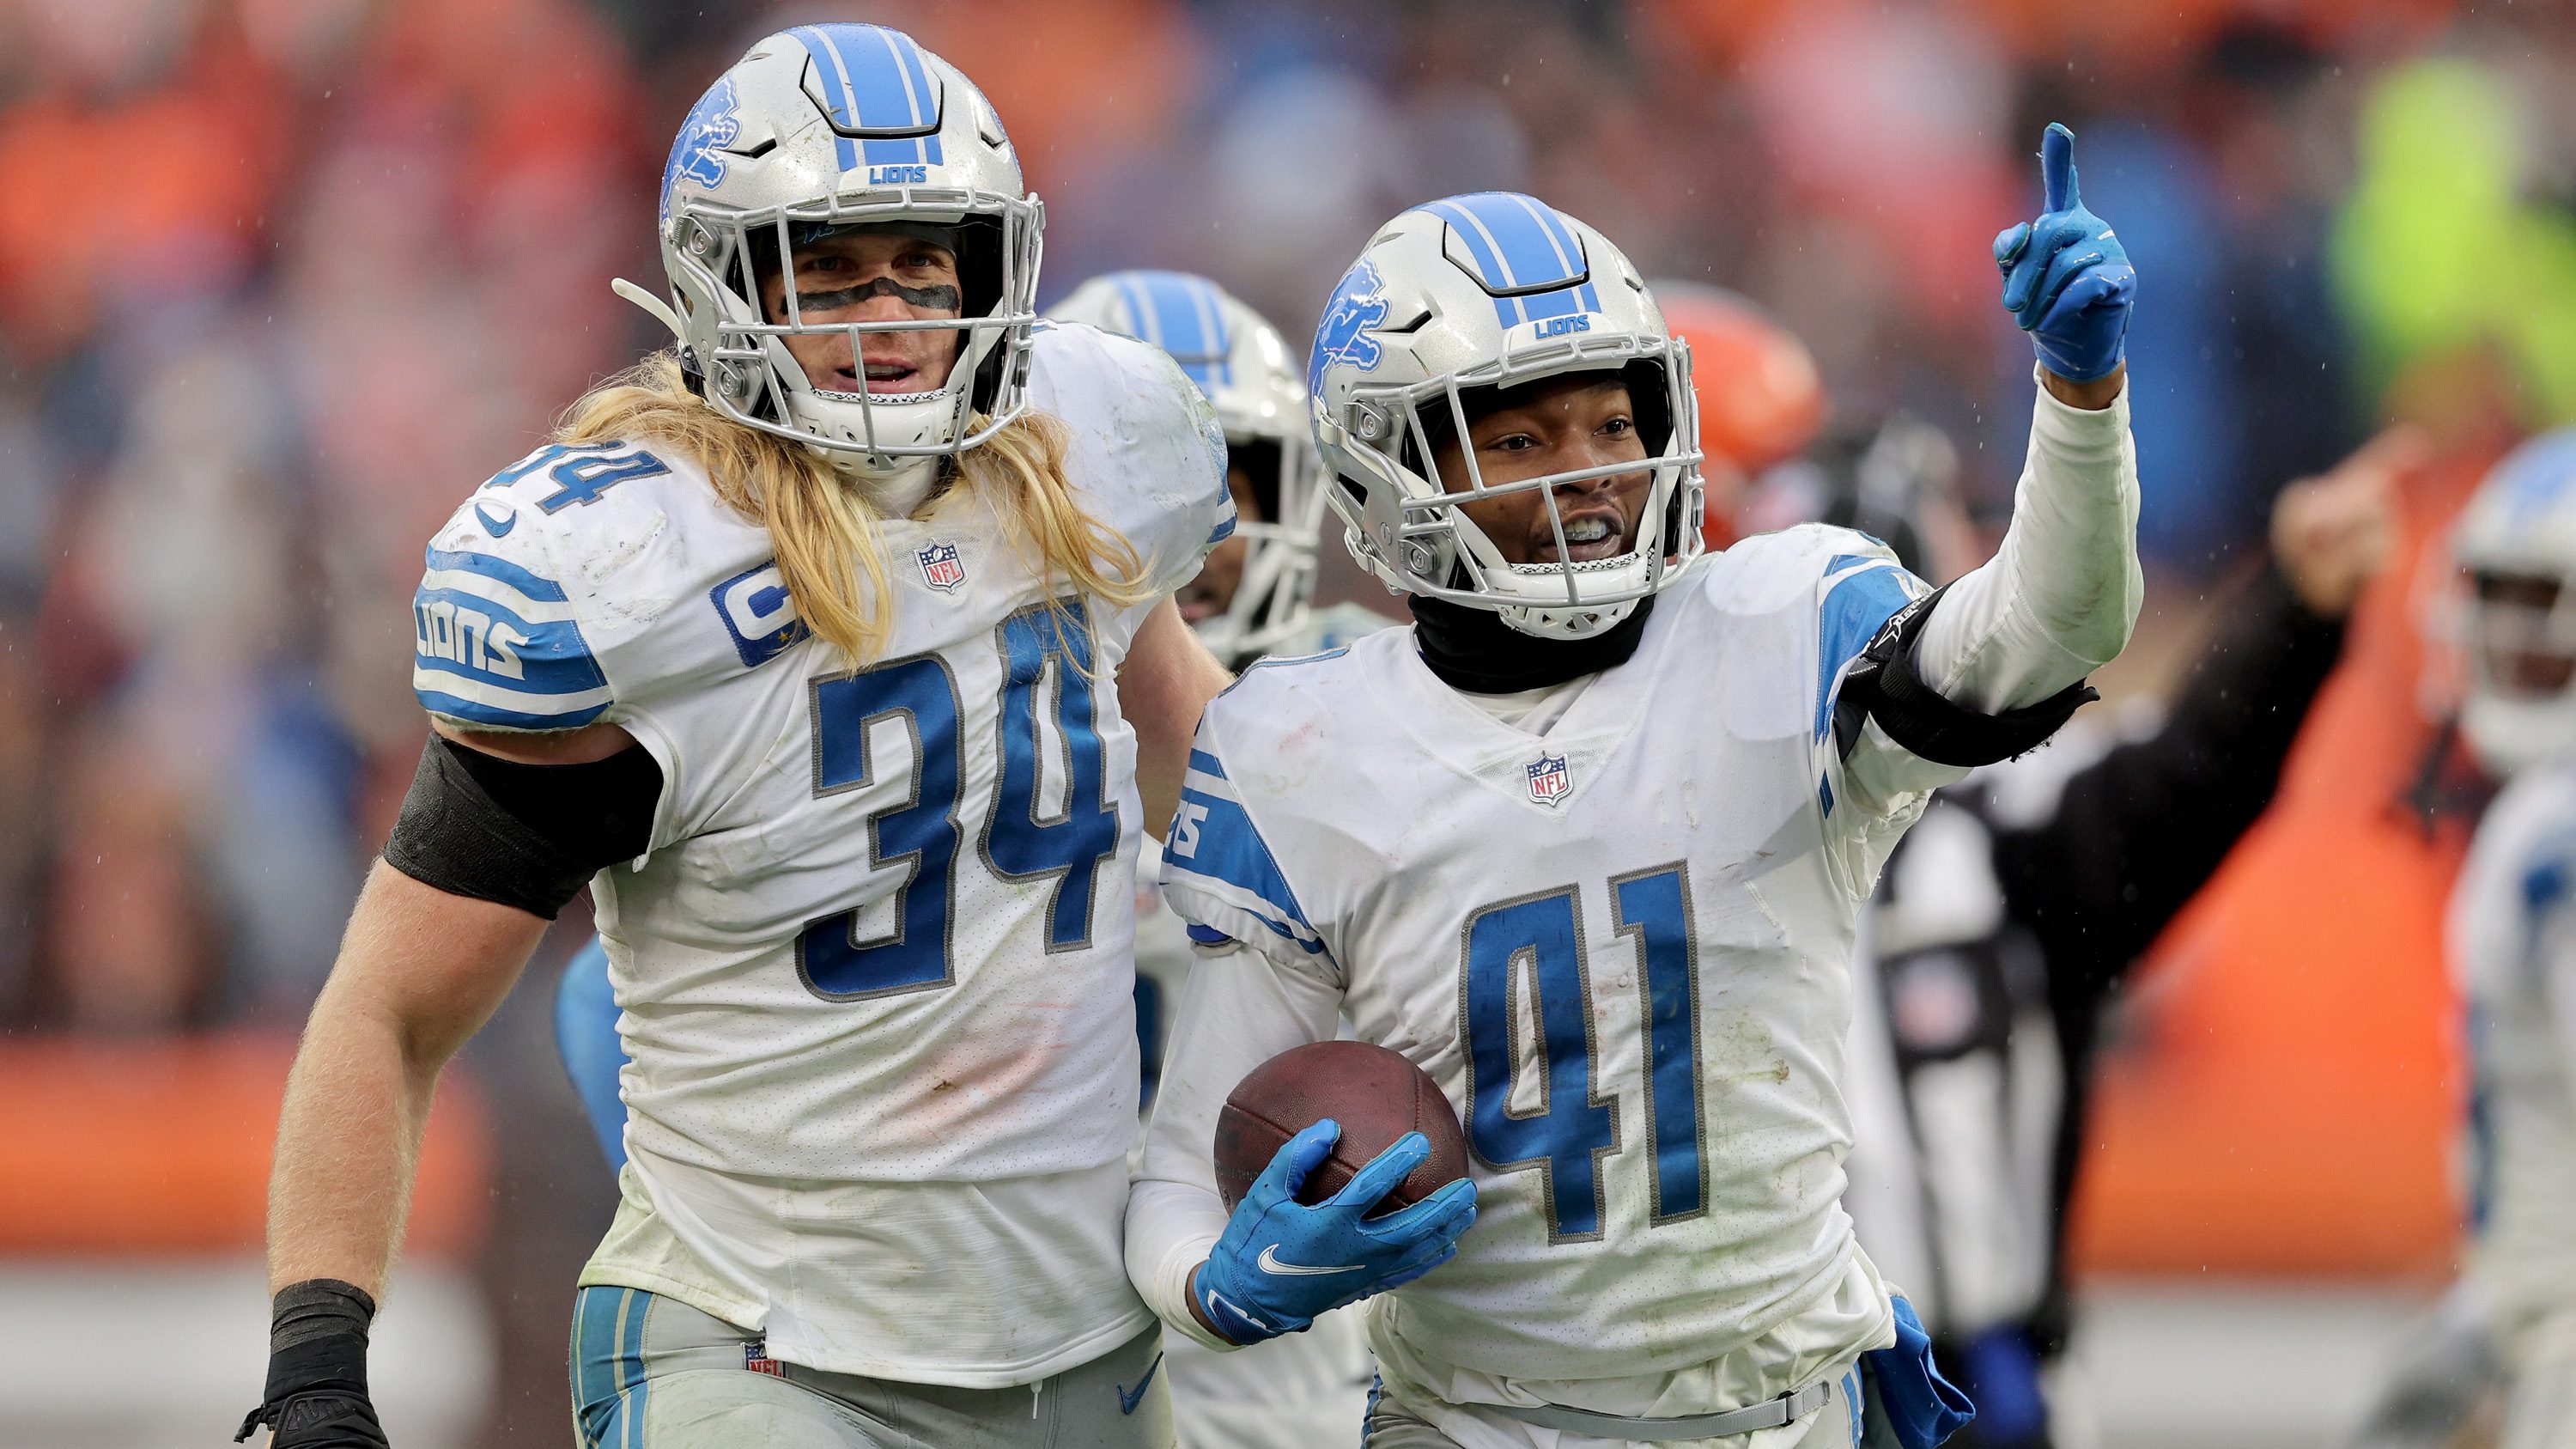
[
  {"x": 875, "y": 973},
  {"x": 1622, "y": 947}
]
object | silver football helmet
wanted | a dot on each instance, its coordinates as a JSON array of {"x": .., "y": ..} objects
[
  {"x": 1493, "y": 290},
  {"x": 2516, "y": 542},
  {"x": 1243, "y": 365},
  {"x": 826, "y": 127}
]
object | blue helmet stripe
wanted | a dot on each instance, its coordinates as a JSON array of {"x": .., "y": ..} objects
[
  {"x": 1480, "y": 246},
  {"x": 875, "y": 79},
  {"x": 1148, "y": 327},
  {"x": 1183, "y": 315},
  {"x": 1211, "y": 310},
  {"x": 917, "y": 88},
  {"x": 1569, "y": 250},
  {"x": 1188, "y": 324},
  {"x": 1519, "y": 244},
  {"x": 836, "y": 89}
]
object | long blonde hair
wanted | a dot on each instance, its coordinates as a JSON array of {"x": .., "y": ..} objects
[{"x": 829, "y": 552}]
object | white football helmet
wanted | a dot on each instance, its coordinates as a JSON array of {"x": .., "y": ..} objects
[
  {"x": 1242, "y": 363},
  {"x": 2516, "y": 542},
  {"x": 831, "y": 126},
  {"x": 1493, "y": 290}
]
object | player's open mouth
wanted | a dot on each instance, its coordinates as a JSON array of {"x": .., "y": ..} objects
[
  {"x": 1594, "y": 533},
  {"x": 882, "y": 378}
]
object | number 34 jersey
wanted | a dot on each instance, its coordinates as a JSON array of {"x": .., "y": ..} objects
[
  {"x": 1622, "y": 947},
  {"x": 876, "y": 973}
]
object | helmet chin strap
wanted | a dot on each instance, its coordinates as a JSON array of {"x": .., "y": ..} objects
[{"x": 894, "y": 487}]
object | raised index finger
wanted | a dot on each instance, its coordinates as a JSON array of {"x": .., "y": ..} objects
[{"x": 2057, "y": 168}]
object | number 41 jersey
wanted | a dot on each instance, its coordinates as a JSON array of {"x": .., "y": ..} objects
[
  {"x": 1622, "y": 947},
  {"x": 876, "y": 974}
]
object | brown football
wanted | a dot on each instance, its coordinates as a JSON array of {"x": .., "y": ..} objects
[{"x": 1375, "y": 1094}]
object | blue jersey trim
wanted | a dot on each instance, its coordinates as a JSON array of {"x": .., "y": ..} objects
[
  {"x": 456, "y": 707},
  {"x": 542, "y": 590},
  {"x": 1856, "y": 604}
]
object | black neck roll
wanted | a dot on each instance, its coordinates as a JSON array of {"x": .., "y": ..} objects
[{"x": 1474, "y": 650}]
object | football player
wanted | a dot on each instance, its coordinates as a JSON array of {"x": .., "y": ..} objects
[
  {"x": 835, "y": 651},
  {"x": 1252, "y": 596},
  {"x": 1589, "y": 844},
  {"x": 2513, "y": 944}
]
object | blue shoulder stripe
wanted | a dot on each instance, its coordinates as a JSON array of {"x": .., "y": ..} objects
[
  {"x": 474, "y": 711},
  {"x": 1856, "y": 604},
  {"x": 1207, "y": 764},
  {"x": 1213, "y": 839},
  {"x": 541, "y": 589}
]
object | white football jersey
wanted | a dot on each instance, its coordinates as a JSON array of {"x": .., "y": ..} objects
[
  {"x": 1304, "y": 1388},
  {"x": 875, "y": 972},
  {"x": 2513, "y": 941},
  {"x": 1622, "y": 947}
]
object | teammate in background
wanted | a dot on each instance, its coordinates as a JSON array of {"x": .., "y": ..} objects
[
  {"x": 1253, "y": 598},
  {"x": 2014, "y": 909},
  {"x": 1589, "y": 845},
  {"x": 2513, "y": 946},
  {"x": 836, "y": 653},
  {"x": 1253, "y": 595}
]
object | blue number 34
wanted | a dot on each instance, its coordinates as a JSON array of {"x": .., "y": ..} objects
[
  {"x": 1020, "y": 839},
  {"x": 1574, "y": 1126}
]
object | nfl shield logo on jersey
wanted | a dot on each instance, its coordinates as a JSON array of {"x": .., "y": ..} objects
[
  {"x": 941, "y": 568},
  {"x": 1548, "y": 780}
]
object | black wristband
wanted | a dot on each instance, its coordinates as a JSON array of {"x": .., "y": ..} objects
[{"x": 317, "y": 1344}]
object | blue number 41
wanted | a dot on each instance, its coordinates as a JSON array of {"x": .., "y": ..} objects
[
  {"x": 1535, "y": 944},
  {"x": 1049, "y": 644}
]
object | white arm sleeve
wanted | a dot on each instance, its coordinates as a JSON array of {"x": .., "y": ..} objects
[
  {"x": 2056, "y": 602},
  {"x": 1240, "y": 1008}
]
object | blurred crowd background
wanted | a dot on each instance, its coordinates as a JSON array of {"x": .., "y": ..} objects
[{"x": 282, "y": 280}]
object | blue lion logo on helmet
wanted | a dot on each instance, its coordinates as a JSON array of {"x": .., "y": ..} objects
[
  {"x": 711, "y": 123},
  {"x": 1343, "y": 334}
]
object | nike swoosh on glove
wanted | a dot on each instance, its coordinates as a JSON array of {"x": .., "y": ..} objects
[
  {"x": 1281, "y": 1264},
  {"x": 2067, "y": 279}
]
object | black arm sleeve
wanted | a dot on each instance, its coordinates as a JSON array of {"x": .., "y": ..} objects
[
  {"x": 1887, "y": 687},
  {"x": 2138, "y": 832},
  {"x": 528, "y": 836}
]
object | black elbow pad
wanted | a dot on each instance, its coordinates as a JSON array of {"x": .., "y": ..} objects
[
  {"x": 1886, "y": 687},
  {"x": 525, "y": 836}
]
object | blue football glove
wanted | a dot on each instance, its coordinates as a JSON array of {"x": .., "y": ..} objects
[
  {"x": 1281, "y": 1264},
  {"x": 1923, "y": 1408},
  {"x": 2067, "y": 280}
]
